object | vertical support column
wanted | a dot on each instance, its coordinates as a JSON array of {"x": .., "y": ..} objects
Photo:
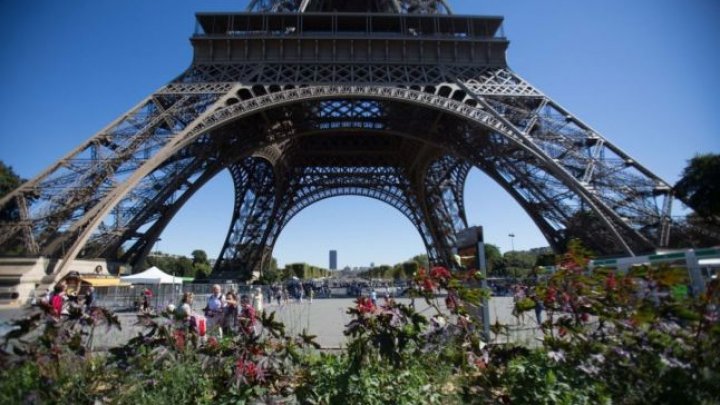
[
  {"x": 252, "y": 221},
  {"x": 696, "y": 278}
]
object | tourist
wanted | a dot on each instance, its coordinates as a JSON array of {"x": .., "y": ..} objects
[
  {"x": 373, "y": 296},
  {"x": 89, "y": 298},
  {"x": 57, "y": 300},
  {"x": 184, "y": 311},
  {"x": 246, "y": 319},
  {"x": 538, "y": 309},
  {"x": 258, "y": 300},
  {"x": 214, "y": 309},
  {"x": 230, "y": 312}
]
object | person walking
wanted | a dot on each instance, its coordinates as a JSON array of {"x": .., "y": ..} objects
[
  {"x": 230, "y": 312},
  {"x": 258, "y": 300},
  {"x": 214, "y": 310},
  {"x": 538, "y": 309},
  {"x": 184, "y": 311},
  {"x": 57, "y": 300},
  {"x": 246, "y": 319},
  {"x": 89, "y": 298}
]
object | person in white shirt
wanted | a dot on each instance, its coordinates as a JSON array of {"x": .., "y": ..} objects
[{"x": 214, "y": 310}]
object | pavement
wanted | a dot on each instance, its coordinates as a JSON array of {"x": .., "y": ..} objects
[{"x": 325, "y": 317}]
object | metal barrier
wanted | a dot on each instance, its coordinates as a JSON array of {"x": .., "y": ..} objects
[{"x": 130, "y": 298}]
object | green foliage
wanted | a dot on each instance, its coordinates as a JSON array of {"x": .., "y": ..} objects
[
  {"x": 518, "y": 263},
  {"x": 9, "y": 181},
  {"x": 608, "y": 338},
  {"x": 181, "y": 266},
  {"x": 494, "y": 259},
  {"x": 334, "y": 380},
  {"x": 304, "y": 271},
  {"x": 537, "y": 379},
  {"x": 699, "y": 186},
  {"x": 19, "y": 385},
  {"x": 421, "y": 260},
  {"x": 199, "y": 256},
  {"x": 181, "y": 382}
]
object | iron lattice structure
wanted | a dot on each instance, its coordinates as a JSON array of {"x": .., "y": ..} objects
[{"x": 390, "y": 99}]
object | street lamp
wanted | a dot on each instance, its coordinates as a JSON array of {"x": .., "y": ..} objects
[{"x": 512, "y": 249}]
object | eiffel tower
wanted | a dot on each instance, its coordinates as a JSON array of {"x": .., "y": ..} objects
[{"x": 301, "y": 101}]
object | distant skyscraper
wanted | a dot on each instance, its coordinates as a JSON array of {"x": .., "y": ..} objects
[{"x": 333, "y": 260}]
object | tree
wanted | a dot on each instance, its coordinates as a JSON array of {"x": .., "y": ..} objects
[
  {"x": 421, "y": 260},
  {"x": 591, "y": 230},
  {"x": 410, "y": 269},
  {"x": 9, "y": 181},
  {"x": 493, "y": 258},
  {"x": 519, "y": 263},
  {"x": 699, "y": 186},
  {"x": 199, "y": 256}
]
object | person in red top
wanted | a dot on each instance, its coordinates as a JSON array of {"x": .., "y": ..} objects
[
  {"x": 57, "y": 300},
  {"x": 247, "y": 316}
]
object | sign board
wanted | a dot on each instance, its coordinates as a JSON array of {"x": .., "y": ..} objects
[{"x": 471, "y": 251}]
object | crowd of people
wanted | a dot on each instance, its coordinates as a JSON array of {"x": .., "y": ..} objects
[
  {"x": 59, "y": 300},
  {"x": 223, "y": 312}
]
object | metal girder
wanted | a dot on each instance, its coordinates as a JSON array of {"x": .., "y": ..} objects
[
  {"x": 380, "y": 6},
  {"x": 393, "y": 125}
]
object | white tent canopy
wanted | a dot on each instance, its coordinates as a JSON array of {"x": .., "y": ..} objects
[{"x": 153, "y": 275}]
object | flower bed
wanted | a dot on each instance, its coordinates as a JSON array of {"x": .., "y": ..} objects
[{"x": 607, "y": 338}]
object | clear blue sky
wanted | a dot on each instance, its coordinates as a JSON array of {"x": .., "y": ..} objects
[{"x": 644, "y": 73}]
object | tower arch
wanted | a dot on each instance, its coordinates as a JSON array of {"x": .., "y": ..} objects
[{"x": 269, "y": 83}]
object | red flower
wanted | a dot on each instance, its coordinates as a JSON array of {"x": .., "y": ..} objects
[
  {"x": 610, "y": 282},
  {"x": 365, "y": 305},
  {"x": 584, "y": 317},
  {"x": 428, "y": 285},
  {"x": 179, "y": 340},
  {"x": 562, "y": 332},
  {"x": 551, "y": 295},
  {"x": 440, "y": 272},
  {"x": 257, "y": 350},
  {"x": 246, "y": 369},
  {"x": 212, "y": 342}
]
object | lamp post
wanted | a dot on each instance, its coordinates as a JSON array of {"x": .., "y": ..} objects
[
  {"x": 512, "y": 249},
  {"x": 157, "y": 245}
]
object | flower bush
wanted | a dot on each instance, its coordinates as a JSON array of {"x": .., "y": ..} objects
[{"x": 606, "y": 338}]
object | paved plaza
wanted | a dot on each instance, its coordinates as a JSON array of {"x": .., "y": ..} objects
[{"x": 325, "y": 318}]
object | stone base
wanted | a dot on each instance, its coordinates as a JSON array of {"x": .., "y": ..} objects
[{"x": 22, "y": 279}]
